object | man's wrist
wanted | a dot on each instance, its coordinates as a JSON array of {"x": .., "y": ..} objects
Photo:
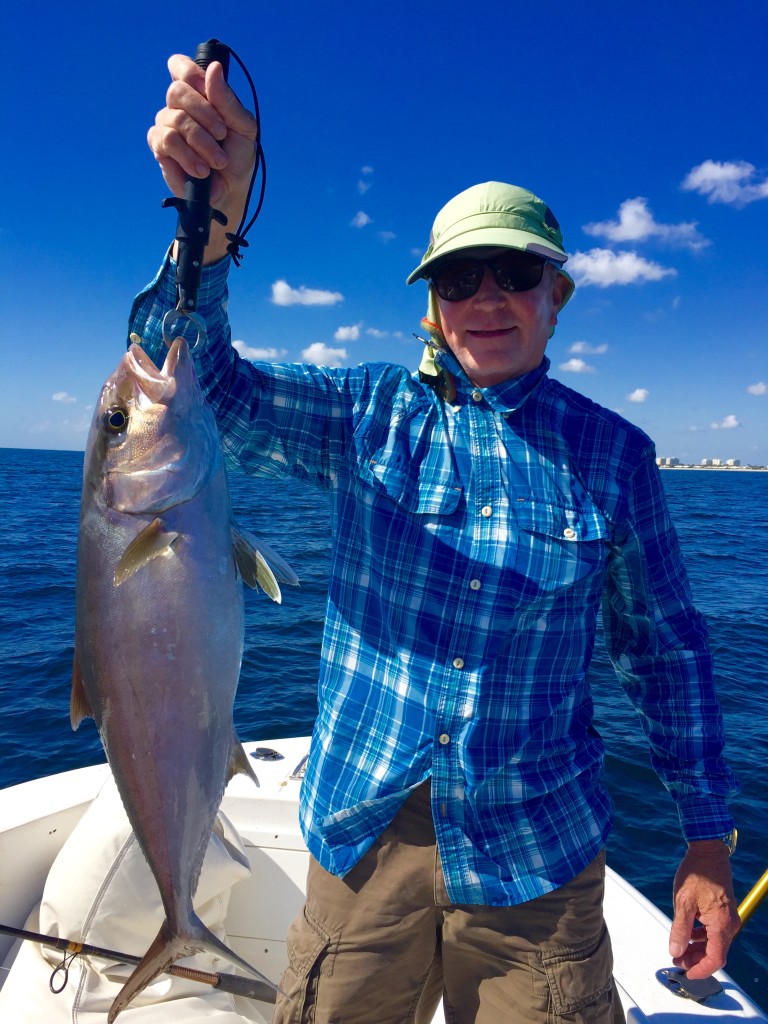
[{"x": 723, "y": 845}]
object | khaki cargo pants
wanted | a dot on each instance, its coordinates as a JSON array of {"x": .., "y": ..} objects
[{"x": 383, "y": 944}]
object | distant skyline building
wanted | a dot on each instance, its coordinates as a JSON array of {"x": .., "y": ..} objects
[{"x": 672, "y": 462}]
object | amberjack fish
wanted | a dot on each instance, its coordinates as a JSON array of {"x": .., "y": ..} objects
[{"x": 159, "y": 628}]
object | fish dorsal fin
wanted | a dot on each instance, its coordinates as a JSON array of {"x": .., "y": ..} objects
[
  {"x": 253, "y": 566},
  {"x": 153, "y": 541},
  {"x": 79, "y": 705},
  {"x": 238, "y": 761}
]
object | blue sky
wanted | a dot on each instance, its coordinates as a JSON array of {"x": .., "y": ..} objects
[{"x": 643, "y": 126}]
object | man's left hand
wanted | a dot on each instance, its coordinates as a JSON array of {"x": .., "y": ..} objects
[{"x": 703, "y": 891}]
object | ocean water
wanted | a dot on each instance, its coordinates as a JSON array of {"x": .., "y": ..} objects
[{"x": 722, "y": 519}]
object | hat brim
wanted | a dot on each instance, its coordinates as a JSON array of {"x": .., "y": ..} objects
[{"x": 507, "y": 238}]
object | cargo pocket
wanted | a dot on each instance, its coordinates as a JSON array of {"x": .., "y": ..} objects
[
  {"x": 581, "y": 979},
  {"x": 308, "y": 948}
]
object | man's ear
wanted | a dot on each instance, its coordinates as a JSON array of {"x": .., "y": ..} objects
[
  {"x": 560, "y": 287},
  {"x": 559, "y": 290}
]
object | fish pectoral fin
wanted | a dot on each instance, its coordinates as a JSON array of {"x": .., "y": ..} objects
[
  {"x": 79, "y": 705},
  {"x": 252, "y": 565},
  {"x": 239, "y": 763},
  {"x": 153, "y": 542},
  {"x": 281, "y": 569}
]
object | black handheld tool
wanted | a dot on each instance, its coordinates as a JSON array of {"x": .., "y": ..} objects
[{"x": 195, "y": 212}]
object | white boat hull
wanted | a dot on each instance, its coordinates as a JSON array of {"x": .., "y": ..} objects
[{"x": 37, "y": 817}]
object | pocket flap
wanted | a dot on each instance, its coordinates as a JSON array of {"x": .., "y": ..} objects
[{"x": 562, "y": 522}]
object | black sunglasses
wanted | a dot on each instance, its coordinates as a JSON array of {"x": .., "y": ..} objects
[{"x": 513, "y": 271}]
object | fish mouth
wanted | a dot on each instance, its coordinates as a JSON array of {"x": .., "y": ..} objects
[{"x": 155, "y": 384}]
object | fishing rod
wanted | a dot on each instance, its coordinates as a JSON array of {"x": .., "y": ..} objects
[
  {"x": 753, "y": 899},
  {"x": 232, "y": 983},
  {"x": 195, "y": 213}
]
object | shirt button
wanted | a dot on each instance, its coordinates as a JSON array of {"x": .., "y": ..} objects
[
  {"x": 477, "y": 396},
  {"x": 474, "y": 584},
  {"x": 486, "y": 511},
  {"x": 569, "y": 533},
  {"x": 444, "y": 738},
  {"x": 458, "y": 663}
]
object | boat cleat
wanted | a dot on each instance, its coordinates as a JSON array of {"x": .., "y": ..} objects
[{"x": 676, "y": 980}]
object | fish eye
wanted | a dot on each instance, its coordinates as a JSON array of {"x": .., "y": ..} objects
[{"x": 116, "y": 420}]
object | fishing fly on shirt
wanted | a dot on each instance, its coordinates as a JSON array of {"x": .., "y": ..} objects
[{"x": 195, "y": 212}]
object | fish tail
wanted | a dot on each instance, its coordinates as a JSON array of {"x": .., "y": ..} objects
[
  {"x": 205, "y": 939},
  {"x": 167, "y": 948}
]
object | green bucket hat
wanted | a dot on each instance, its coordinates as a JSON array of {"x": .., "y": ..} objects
[{"x": 495, "y": 214}]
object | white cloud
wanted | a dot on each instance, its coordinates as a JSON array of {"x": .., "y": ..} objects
[
  {"x": 386, "y": 236},
  {"x": 636, "y": 224},
  {"x": 728, "y": 182},
  {"x": 351, "y": 333},
  {"x": 728, "y": 423},
  {"x": 639, "y": 395},
  {"x": 576, "y": 366},
  {"x": 367, "y": 169},
  {"x": 284, "y": 295},
  {"x": 360, "y": 220},
  {"x": 63, "y": 396},
  {"x": 761, "y": 388},
  {"x": 376, "y": 333},
  {"x": 603, "y": 267},
  {"x": 585, "y": 349},
  {"x": 259, "y": 355},
  {"x": 363, "y": 186},
  {"x": 324, "y": 355}
]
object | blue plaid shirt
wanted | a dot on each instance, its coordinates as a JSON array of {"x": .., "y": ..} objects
[{"x": 474, "y": 542}]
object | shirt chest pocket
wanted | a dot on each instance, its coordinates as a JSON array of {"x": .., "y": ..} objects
[
  {"x": 413, "y": 489},
  {"x": 412, "y": 469},
  {"x": 559, "y": 546}
]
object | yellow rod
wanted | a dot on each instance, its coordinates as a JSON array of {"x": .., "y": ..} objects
[{"x": 754, "y": 898}]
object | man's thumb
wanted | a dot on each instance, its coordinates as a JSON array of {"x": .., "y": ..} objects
[{"x": 233, "y": 113}]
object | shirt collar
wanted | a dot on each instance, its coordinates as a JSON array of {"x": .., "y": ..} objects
[{"x": 505, "y": 397}]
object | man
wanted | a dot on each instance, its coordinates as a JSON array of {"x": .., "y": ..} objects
[{"x": 454, "y": 803}]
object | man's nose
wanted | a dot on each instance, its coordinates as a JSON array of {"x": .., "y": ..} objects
[{"x": 489, "y": 292}]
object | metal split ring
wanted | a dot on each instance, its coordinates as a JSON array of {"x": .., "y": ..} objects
[{"x": 172, "y": 327}]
